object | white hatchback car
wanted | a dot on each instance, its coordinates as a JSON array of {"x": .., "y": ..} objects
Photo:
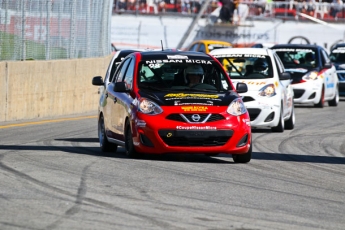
[
  {"x": 269, "y": 99},
  {"x": 314, "y": 77}
]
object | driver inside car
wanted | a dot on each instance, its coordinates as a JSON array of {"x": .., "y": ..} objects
[{"x": 194, "y": 75}]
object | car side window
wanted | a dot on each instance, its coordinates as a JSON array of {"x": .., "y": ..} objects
[
  {"x": 325, "y": 57},
  {"x": 202, "y": 48},
  {"x": 279, "y": 63},
  {"x": 194, "y": 47},
  {"x": 109, "y": 74},
  {"x": 129, "y": 74},
  {"x": 121, "y": 71}
]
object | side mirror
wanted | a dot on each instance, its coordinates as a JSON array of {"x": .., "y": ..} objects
[
  {"x": 98, "y": 80},
  {"x": 285, "y": 76},
  {"x": 241, "y": 87},
  {"x": 328, "y": 65},
  {"x": 121, "y": 87}
]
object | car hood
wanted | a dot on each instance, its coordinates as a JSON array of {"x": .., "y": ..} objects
[
  {"x": 174, "y": 98},
  {"x": 255, "y": 84},
  {"x": 297, "y": 73},
  {"x": 339, "y": 66}
]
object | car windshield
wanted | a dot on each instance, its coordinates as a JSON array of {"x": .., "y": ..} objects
[
  {"x": 243, "y": 66},
  {"x": 297, "y": 58},
  {"x": 338, "y": 55},
  {"x": 198, "y": 75}
]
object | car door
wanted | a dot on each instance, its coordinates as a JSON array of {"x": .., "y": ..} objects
[
  {"x": 330, "y": 76},
  {"x": 121, "y": 106},
  {"x": 111, "y": 116}
]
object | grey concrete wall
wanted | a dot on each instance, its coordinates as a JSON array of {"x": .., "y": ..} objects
[{"x": 42, "y": 89}]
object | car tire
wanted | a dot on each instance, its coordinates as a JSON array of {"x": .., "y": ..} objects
[
  {"x": 321, "y": 102},
  {"x": 129, "y": 146},
  {"x": 243, "y": 158},
  {"x": 335, "y": 100},
  {"x": 105, "y": 145},
  {"x": 290, "y": 123},
  {"x": 280, "y": 127}
]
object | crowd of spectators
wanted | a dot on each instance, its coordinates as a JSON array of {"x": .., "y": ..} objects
[{"x": 231, "y": 11}]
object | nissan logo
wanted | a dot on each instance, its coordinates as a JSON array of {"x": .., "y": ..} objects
[{"x": 196, "y": 117}]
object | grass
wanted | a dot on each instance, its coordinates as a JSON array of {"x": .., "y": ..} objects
[{"x": 11, "y": 48}]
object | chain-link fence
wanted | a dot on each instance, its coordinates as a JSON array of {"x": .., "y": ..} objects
[{"x": 54, "y": 29}]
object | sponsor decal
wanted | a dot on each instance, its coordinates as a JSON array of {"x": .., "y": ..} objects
[
  {"x": 330, "y": 85},
  {"x": 196, "y": 127},
  {"x": 174, "y": 96},
  {"x": 194, "y": 108},
  {"x": 293, "y": 50},
  {"x": 177, "y": 57},
  {"x": 150, "y": 62},
  {"x": 246, "y": 121},
  {"x": 253, "y": 82},
  {"x": 298, "y": 70},
  {"x": 196, "y": 103},
  {"x": 239, "y": 55}
]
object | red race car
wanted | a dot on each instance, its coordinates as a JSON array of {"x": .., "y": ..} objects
[{"x": 173, "y": 102}]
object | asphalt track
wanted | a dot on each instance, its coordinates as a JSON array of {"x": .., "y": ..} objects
[{"x": 53, "y": 176}]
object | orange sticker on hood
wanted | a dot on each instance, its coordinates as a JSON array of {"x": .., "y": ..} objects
[{"x": 194, "y": 108}]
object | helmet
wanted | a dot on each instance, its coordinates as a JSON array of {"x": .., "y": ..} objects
[
  {"x": 195, "y": 70},
  {"x": 309, "y": 57},
  {"x": 260, "y": 65}
]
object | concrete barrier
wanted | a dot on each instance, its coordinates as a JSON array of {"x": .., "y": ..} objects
[{"x": 46, "y": 89}]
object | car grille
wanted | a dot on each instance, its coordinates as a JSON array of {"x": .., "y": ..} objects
[
  {"x": 195, "y": 138},
  {"x": 298, "y": 93},
  {"x": 296, "y": 77},
  {"x": 253, "y": 113},
  {"x": 187, "y": 117}
]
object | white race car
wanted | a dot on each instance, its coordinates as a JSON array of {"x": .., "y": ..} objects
[
  {"x": 269, "y": 99},
  {"x": 314, "y": 77}
]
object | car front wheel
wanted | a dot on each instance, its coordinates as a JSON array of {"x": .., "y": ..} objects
[
  {"x": 290, "y": 123},
  {"x": 280, "y": 127},
  {"x": 335, "y": 100},
  {"x": 243, "y": 158},
  {"x": 130, "y": 151},
  {"x": 105, "y": 145},
  {"x": 321, "y": 102}
]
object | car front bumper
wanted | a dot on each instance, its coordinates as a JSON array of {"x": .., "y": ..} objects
[{"x": 158, "y": 135}]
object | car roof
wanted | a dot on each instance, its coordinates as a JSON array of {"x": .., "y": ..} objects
[
  {"x": 149, "y": 55},
  {"x": 338, "y": 45},
  {"x": 300, "y": 46},
  {"x": 257, "y": 51},
  {"x": 209, "y": 42}
]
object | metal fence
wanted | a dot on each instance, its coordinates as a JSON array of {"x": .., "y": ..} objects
[{"x": 54, "y": 29}]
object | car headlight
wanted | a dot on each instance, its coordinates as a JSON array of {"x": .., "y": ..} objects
[
  {"x": 313, "y": 75},
  {"x": 236, "y": 107},
  {"x": 268, "y": 91},
  {"x": 149, "y": 107}
]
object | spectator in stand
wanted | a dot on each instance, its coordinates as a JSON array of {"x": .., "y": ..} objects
[
  {"x": 196, "y": 6},
  {"x": 336, "y": 7},
  {"x": 185, "y": 6},
  {"x": 227, "y": 11},
  {"x": 307, "y": 7},
  {"x": 161, "y": 5},
  {"x": 261, "y": 6},
  {"x": 121, "y": 5}
]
